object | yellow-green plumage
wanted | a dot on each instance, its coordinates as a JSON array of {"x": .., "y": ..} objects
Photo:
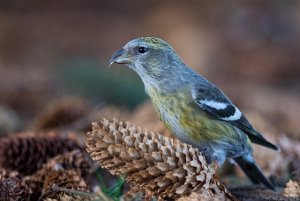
[{"x": 197, "y": 126}]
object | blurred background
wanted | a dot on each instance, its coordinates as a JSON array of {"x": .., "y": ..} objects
[
  {"x": 55, "y": 49},
  {"x": 55, "y": 75}
]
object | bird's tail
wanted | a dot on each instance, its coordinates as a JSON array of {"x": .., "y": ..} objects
[{"x": 253, "y": 171}]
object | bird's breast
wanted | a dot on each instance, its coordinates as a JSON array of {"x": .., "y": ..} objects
[
  {"x": 186, "y": 120},
  {"x": 179, "y": 113}
]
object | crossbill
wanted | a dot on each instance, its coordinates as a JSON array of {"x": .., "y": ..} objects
[{"x": 192, "y": 108}]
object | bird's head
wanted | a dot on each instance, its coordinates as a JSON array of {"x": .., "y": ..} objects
[{"x": 152, "y": 58}]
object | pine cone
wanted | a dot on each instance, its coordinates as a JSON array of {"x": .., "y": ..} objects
[
  {"x": 14, "y": 189},
  {"x": 4, "y": 174},
  {"x": 61, "y": 113},
  {"x": 292, "y": 189},
  {"x": 27, "y": 153},
  {"x": 65, "y": 197},
  {"x": 152, "y": 163},
  {"x": 67, "y": 179},
  {"x": 74, "y": 160}
]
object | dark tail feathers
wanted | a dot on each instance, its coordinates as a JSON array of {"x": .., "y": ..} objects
[{"x": 253, "y": 172}]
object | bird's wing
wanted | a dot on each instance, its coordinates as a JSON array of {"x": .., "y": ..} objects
[{"x": 218, "y": 106}]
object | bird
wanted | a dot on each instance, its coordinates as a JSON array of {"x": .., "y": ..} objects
[{"x": 195, "y": 110}]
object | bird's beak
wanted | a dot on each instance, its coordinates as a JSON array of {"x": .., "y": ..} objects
[{"x": 120, "y": 57}]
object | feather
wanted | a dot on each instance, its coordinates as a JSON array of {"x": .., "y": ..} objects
[
  {"x": 253, "y": 172},
  {"x": 223, "y": 110}
]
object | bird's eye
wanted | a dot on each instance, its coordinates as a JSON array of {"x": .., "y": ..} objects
[{"x": 142, "y": 49}]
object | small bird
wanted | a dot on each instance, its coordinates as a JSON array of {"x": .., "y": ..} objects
[{"x": 192, "y": 108}]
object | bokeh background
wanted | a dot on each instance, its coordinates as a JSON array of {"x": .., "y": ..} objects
[
  {"x": 54, "y": 59},
  {"x": 50, "y": 50}
]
